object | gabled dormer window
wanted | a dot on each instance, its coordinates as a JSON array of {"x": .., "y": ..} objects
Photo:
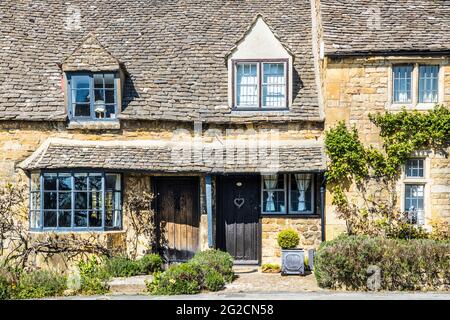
[
  {"x": 92, "y": 96},
  {"x": 260, "y": 84}
]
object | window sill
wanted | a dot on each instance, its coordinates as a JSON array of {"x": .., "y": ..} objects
[
  {"x": 410, "y": 106},
  {"x": 94, "y": 125},
  {"x": 290, "y": 215},
  {"x": 259, "y": 110},
  {"x": 68, "y": 231}
]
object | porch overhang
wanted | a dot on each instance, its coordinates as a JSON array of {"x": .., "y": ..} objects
[{"x": 236, "y": 156}]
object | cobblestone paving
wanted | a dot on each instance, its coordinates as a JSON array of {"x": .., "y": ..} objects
[{"x": 255, "y": 281}]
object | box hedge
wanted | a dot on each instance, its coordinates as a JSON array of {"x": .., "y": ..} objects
[{"x": 403, "y": 264}]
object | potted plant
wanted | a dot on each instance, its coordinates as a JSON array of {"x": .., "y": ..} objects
[{"x": 292, "y": 258}]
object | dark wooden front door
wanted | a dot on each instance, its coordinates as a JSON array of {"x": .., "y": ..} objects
[
  {"x": 177, "y": 204},
  {"x": 238, "y": 223}
]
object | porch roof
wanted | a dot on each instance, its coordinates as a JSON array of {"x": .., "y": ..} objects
[{"x": 179, "y": 156}]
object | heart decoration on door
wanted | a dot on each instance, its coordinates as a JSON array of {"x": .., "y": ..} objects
[{"x": 239, "y": 202}]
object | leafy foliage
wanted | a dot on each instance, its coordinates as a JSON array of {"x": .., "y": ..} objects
[
  {"x": 270, "y": 268},
  {"x": 93, "y": 276},
  {"x": 404, "y": 264},
  {"x": 213, "y": 280},
  {"x": 40, "y": 284},
  {"x": 217, "y": 260},
  {"x": 123, "y": 266},
  {"x": 5, "y": 286},
  {"x": 372, "y": 169},
  {"x": 184, "y": 278},
  {"x": 151, "y": 263},
  {"x": 288, "y": 239},
  {"x": 207, "y": 270}
]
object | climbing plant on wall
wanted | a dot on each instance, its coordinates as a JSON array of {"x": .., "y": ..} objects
[{"x": 369, "y": 168}]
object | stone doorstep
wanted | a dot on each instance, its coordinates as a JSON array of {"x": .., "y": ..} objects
[{"x": 129, "y": 285}]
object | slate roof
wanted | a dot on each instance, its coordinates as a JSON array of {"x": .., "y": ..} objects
[
  {"x": 164, "y": 156},
  {"x": 374, "y": 26},
  {"x": 173, "y": 50}
]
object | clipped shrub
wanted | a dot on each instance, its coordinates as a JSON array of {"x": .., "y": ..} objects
[
  {"x": 150, "y": 263},
  {"x": 122, "y": 266},
  {"x": 288, "y": 239},
  {"x": 218, "y": 260},
  {"x": 40, "y": 284},
  {"x": 271, "y": 268},
  {"x": 93, "y": 276},
  {"x": 184, "y": 278},
  {"x": 213, "y": 280},
  {"x": 347, "y": 262}
]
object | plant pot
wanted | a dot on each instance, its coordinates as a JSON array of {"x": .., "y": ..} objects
[{"x": 292, "y": 261}]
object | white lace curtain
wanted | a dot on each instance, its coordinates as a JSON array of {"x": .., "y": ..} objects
[
  {"x": 270, "y": 182},
  {"x": 303, "y": 181}
]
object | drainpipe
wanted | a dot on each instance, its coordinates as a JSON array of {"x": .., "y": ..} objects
[
  {"x": 322, "y": 206},
  {"x": 209, "y": 210}
]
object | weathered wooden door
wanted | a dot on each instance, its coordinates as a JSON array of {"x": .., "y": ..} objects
[
  {"x": 238, "y": 223},
  {"x": 177, "y": 204}
]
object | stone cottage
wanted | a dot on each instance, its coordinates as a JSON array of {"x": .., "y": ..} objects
[
  {"x": 383, "y": 55},
  {"x": 213, "y": 107},
  {"x": 218, "y": 108}
]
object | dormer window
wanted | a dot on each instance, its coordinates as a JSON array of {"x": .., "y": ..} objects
[
  {"x": 260, "y": 84},
  {"x": 92, "y": 96}
]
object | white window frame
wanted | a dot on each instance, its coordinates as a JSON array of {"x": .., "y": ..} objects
[
  {"x": 260, "y": 75},
  {"x": 425, "y": 181},
  {"x": 415, "y": 104}
]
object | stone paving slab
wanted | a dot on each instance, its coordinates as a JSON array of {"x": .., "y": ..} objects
[
  {"x": 256, "y": 281},
  {"x": 130, "y": 285}
]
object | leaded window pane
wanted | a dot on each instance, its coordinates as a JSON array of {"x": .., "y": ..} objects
[
  {"x": 428, "y": 83},
  {"x": 273, "y": 85},
  {"x": 247, "y": 85},
  {"x": 414, "y": 202},
  {"x": 402, "y": 83},
  {"x": 414, "y": 168}
]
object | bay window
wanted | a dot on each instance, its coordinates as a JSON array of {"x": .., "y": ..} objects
[
  {"x": 260, "y": 84},
  {"x": 288, "y": 193},
  {"x": 75, "y": 201}
]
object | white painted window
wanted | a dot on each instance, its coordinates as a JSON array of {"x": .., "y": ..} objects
[
  {"x": 414, "y": 194},
  {"x": 402, "y": 76},
  {"x": 416, "y": 85},
  {"x": 247, "y": 85},
  {"x": 260, "y": 84},
  {"x": 274, "y": 85},
  {"x": 428, "y": 83}
]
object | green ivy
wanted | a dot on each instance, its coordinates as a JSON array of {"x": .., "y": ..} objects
[
  {"x": 351, "y": 162},
  {"x": 402, "y": 133}
]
